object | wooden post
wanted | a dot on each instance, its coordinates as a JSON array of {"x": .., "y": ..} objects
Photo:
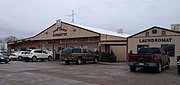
[{"x": 53, "y": 49}]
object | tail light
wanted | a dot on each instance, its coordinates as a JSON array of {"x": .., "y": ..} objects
[
  {"x": 155, "y": 59},
  {"x": 130, "y": 58}
]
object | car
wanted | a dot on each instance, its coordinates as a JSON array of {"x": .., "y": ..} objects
[
  {"x": 78, "y": 55},
  {"x": 17, "y": 55},
  {"x": 5, "y": 53},
  {"x": 4, "y": 58},
  {"x": 37, "y": 54},
  {"x": 149, "y": 57}
]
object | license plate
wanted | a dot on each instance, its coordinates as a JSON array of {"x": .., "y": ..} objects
[
  {"x": 141, "y": 64},
  {"x": 7, "y": 59}
]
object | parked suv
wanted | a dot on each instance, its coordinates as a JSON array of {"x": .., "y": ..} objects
[
  {"x": 37, "y": 54},
  {"x": 78, "y": 55}
]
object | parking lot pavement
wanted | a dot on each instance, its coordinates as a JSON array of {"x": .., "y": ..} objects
[{"x": 57, "y": 73}]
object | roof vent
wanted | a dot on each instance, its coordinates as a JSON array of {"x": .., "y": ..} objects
[
  {"x": 175, "y": 27},
  {"x": 120, "y": 31}
]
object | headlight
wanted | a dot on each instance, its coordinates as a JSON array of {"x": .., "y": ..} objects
[{"x": 1, "y": 57}]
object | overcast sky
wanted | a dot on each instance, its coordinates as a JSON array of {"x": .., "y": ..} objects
[{"x": 25, "y": 18}]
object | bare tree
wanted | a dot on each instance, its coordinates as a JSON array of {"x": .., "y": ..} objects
[
  {"x": 10, "y": 39},
  {"x": 2, "y": 44},
  {"x": 4, "y": 41}
]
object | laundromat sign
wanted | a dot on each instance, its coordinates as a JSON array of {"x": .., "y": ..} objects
[{"x": 155, "y": 40}]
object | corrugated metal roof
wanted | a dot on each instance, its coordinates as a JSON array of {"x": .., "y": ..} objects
[{"x": 101, "y": 31}]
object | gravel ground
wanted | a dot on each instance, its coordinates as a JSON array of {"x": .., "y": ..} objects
[{"x": 57, "y": 73}]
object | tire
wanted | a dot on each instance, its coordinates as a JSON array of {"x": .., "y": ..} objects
[
  {"x": 67, "y": 62},
  {"x": 49, "y": 58},
  {"x": 132, "y": 68},
  {"x": 79, "y": 61},
  {"x": 20, "y": 58},
  {"x": 34, "y": 59},
  {"x": 95, "y": 60},
  {"x": 159, "y": 68}
]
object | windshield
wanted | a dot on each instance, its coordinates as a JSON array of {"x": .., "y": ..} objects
[
  {"x": 25, "y": 52},
  {"x": 67, "y": 50},
  {"x": 149, "y": 51}
]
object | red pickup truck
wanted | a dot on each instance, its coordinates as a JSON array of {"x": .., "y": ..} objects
[{"x": 151, "y": 57}]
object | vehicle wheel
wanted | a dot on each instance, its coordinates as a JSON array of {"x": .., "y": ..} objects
[
  {"x": 67, "y": 62},
  {"x": 34, "y": 59},
  {"x": 20, "y": 58},
  {"x": 79, "y": 61},
  {"x": 159, "y": 68},
  {"x": 95, "y": 60},
  {"x": 49, "y": 58},
  {"x": 132, "y": 68}
]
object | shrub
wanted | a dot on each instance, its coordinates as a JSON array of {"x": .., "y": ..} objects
[{"x": 108, "y": 57}]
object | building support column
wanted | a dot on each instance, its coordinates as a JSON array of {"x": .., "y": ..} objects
[
  {"x": 53, "y": 50},
  {"x": 99, "y": 45}
]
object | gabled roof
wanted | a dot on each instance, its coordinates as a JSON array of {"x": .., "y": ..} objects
[
  {"x": 98, "y": 30},
  {"x": 43, "y": 30},
  {"x": 91, "y": 29},
  {"x": 154, "y": 28}
]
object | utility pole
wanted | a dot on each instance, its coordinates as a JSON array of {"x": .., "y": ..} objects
[{"x": 72, "y": 16}]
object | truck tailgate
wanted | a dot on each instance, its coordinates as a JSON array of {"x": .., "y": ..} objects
[{"x": 140, "y": 58}]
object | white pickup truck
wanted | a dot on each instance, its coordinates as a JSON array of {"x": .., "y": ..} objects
[{"x": 37, "y": 54}]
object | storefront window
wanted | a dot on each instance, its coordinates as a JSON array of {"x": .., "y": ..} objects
[
  {"x": 169, "y": 49},
  {"x": 163, "y": 33},
  {"x": 147, "y": 34}
]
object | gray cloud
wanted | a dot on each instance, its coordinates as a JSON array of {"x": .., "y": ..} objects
[{"x": 24, "y": 18}]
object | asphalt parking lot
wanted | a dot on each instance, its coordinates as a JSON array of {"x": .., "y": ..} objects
[{"x": 57, "y": 73}]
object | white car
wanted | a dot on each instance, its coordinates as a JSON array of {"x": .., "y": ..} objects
[
  {"x": 17, "y": 55},
  {"x": 37, "y": 54}
]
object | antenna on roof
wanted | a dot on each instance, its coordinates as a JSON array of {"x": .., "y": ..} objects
[{"x": 72, "y": 16}]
